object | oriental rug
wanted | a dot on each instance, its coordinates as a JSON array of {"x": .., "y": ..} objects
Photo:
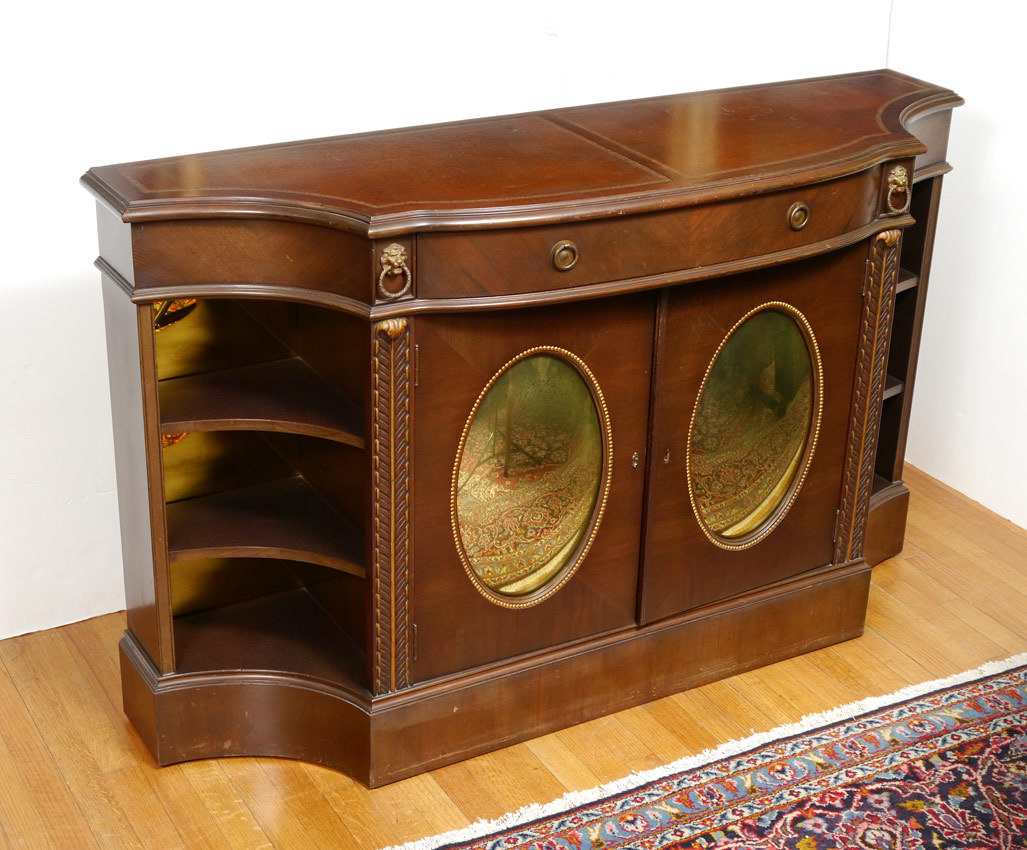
[{"x": 939, "y": 766}]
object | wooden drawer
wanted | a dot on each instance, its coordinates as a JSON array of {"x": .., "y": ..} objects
[
  {"x": 511, "y": 262},
  {"x": 236, "y": 254}
]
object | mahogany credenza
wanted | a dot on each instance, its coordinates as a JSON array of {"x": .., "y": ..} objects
[{"x": 436, "y": 439}]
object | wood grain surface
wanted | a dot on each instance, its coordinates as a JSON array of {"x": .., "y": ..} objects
[{"x": 558, "y": 165}]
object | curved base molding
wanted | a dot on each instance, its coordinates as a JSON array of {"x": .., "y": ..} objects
[
  {"x": 381, "y": 740},
  {"x": 243, "y": 713}
]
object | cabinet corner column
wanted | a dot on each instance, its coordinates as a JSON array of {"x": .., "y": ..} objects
[
  {"x": 391, "y": 435},
  {"x": 878, "y": 311}
]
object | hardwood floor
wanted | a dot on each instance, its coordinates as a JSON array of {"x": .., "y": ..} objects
[{"x": 73, "y": 773}]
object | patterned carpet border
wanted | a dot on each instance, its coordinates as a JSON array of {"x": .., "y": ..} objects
[{"x": 538, "y": 825}]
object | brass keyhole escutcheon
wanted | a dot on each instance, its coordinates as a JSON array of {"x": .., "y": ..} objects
[
  {"x": 798, "y": 215},
  {"x": 564, "y": 255}
]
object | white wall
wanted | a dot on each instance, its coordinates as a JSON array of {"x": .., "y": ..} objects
[
  {"x": 969, "y": 422},
  {"x": 90, "y": 84}
]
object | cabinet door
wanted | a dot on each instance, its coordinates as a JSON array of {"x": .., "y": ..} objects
[
  {"x": 752, "y": 403},
  {"x": 529, "y": 465}
]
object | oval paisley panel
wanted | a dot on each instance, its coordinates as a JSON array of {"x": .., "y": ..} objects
[
  {"x": 752, "y": 425},
  {"x": 528, "y": 476}
]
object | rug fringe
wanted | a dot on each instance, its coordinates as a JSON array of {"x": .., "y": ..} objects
[{"x": 537, "y": 811}]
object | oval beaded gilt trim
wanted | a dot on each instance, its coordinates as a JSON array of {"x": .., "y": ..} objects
[
  {"x": 565, "y": 573},
  {"x": 795, "y": 486}
]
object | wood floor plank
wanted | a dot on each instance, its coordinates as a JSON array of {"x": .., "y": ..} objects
[
  {"x": 977, "y": 585},
  {"x": 47, "y": 673},
  {"x": 971, "y": 516},
  {"x": 397, "y": 813},
  {"x": 73, "y": 774},
  {"x": 424, "y": 808},
  {"x": 967, "y": 561},
  {"x": 861, "y": 671},
  {"x": 911, "y": 594},
  {"x": 706, "y": 717},
  {"x": 221, "y": 799},
  {"x": 370, "y": 816},
  {"x": 92, "y": 640},
  {"x": 901, "y": 659},
  {"x": 943, "y": 654},
  {"x": 727, "y": 709},
  {"x": 562, "y": 761},
  {"x": 681, "y": 720},
  {"x": 306, "y": 811},
  {"x": 976, "y": 533},
  {"x": 774, "y": 692},
  {"x": 22, "y": 819},
  {"x": 35, "y": 802},
  {"x": 435, "y": 811},
  {"x": 192, "y": 819},
  {"x": 660, "y": 744},
  {"x": 830, "y": 690},
  {"x": 272, "y": 809},
  {"x": 621, "y": 747},
  {"x": 505, "y": 781},
  {"x": 62, "y": 701},
  {"x": 914, "y": 572},
  {"x": 1010, "y": 640},
  {"x": 143, "y": 808}
]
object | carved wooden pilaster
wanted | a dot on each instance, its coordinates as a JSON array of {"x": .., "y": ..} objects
[
  {"x": 878, "y": 311},
  {"x": 391, "y": 477}
]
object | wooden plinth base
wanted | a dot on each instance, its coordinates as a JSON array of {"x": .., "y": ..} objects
[
  {"x": 886, "y": 523},
  {"x": 383, "y": 739}
]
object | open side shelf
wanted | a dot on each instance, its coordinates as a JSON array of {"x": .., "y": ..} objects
[
  {"x": 890, "y": 497},
  {"x": 287, "y": 633},
  {"x": 286, "y": 396},
  {"x": 281, "y": 519},
  {"x": 217, "y": 333},
  {"x": 880, "y": 484},
  {"x": 892, "y": 386},
  {"x": 907, "y": 280}
]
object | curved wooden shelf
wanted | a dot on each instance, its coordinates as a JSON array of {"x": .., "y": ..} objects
[
  {"x": 286, "y": 396},
  {"x": 282, "y": 519},
  {"x": 907, "y": 280},
  {"x": 296, "y": 638},
  {"x": 892, "y": 386}
]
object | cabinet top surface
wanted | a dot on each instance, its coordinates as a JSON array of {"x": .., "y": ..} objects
[{"x": 556, "y": 165}]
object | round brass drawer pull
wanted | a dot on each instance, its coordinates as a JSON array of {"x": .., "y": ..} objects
[
  {"x": 564, "y": 255},
  {"x": 798, "y": 215}
]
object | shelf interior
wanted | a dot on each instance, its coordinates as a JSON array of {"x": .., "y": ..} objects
[
  {"x": 265, "y": 477},
  {"x": 901, "y": 366},
  {"x": 287, "y": 632},
  {"x": 215, "y": 334},
  {"x": 907, "y": 280},
  {"x": 880, "y": 483},
  {"x": 892, "y": 386},
  {"x": 278, "y": 519},
  {"x": 262, "y": 365},
  {"x": 278, "y": 395}
]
